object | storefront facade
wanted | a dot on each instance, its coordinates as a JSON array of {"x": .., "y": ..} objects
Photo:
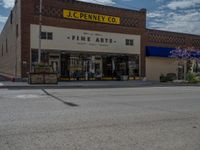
[
  {"x": 100, "y": 43},
  {"x": 159, "y": 46},
  {"x": 84, "y": 54},
  {"x": 84, "y": 41}
]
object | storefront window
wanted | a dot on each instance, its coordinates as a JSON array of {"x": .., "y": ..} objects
[{"x": 92, "y": 67}]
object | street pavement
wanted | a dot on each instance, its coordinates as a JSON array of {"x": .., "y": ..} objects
[{"x": 145, "y": 118}]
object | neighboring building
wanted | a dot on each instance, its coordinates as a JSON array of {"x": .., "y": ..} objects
[
  {"x": 158, "y": 47},
  {"x": 83, "y": 39},
  {"x": 10, "y": 44}
]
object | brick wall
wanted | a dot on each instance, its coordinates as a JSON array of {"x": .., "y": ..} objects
[
  {"x": 132, "y": 22},
  {"x": 172, "y": 39}
]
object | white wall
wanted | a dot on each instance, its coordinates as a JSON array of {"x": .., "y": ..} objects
[
  {"x": 62, "y": 40},
  {"x": 10, "y": 62},
  {"x": 155, "y": 66}
]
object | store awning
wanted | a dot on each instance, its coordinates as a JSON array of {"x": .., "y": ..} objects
[
  {"x": 152, "y": 51},
  {"x": 195, "y": 54}
]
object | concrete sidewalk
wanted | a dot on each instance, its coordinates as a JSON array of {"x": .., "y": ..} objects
[
  {"x": 78, "y": 84},
  {"x": 88, "y": 84}
]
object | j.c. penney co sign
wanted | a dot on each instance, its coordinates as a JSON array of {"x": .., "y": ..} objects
[{"x": 77, "y": 15}]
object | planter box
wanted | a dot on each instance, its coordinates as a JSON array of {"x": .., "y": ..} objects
[
  {"x": 43, "y": 70},
  {"x": 124, "y": 78},
  {"x": 51, "y": 78},
  {"x": 43, "y": 78}
]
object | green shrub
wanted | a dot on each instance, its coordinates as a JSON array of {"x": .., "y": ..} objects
[
  {"x": 171, "y": 77},
  {"x": 163, "y": 78},
  {"x": 42, "y": 68},
  {"x": 192, "y": 77},
  {"x": 41, "y": 65},
  {"x": 168, "y": 78}
]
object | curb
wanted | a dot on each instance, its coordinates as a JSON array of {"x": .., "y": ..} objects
[
  {"x": 94, "y": 86},
  {"x": 73, "y": 87}
]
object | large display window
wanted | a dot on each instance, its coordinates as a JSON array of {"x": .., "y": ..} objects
[{"x": 82, "y": 66}]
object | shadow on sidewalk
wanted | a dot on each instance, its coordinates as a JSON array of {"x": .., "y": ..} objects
[{"x": 59, "y": 99}]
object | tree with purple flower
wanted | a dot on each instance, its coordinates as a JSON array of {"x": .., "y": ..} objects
[{"x": 187, "y": 57}]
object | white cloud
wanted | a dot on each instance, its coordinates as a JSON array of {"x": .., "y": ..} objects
[
  {"x": 10, "y": 3},
  {"x": 3, "y": 19},
  {"x": 177, "y": 16},
  {"x": 7, "y": 3},
  {"x": 104, "y": 2},
  {"x": 154, "y": 14},
  {"x": 182, "y": 4},
  {"x": 2, "y": 22},
  {"x": 188, "y": 21}
]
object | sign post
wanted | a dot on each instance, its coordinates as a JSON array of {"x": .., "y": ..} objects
[{"x": 40, "y": 31}]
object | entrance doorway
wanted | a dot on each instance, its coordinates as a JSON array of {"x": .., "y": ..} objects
[
  {"x": 181, "y": 71},
  {"x": 54, "y": 62}
]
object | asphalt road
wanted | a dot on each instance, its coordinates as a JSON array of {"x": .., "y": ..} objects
[{"x": 157, "y": 118}]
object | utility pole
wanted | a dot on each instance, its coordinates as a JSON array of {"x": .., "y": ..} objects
[{"x": 40, "y": 32}]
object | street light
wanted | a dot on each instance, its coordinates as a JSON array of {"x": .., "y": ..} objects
[{"x": 40, "y": 32}]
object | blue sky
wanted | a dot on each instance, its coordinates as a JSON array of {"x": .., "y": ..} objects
[{"x": 170, "y": 15}]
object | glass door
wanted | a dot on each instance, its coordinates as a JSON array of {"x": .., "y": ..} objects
[
  {"x": 181, "y": 72},
  {"x": 54, "y": 62}
]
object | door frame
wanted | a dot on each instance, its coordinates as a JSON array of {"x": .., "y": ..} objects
[{"x": 58, "y": 60}]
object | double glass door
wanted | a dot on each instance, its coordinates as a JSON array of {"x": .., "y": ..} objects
[{"x": 54, "y": 62}]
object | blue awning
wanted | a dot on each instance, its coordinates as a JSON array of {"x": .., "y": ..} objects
[
  {"x": 195, "y": 54},
  {"x": 158, "y": 51},
  {"x": 153, "y": 51}
]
